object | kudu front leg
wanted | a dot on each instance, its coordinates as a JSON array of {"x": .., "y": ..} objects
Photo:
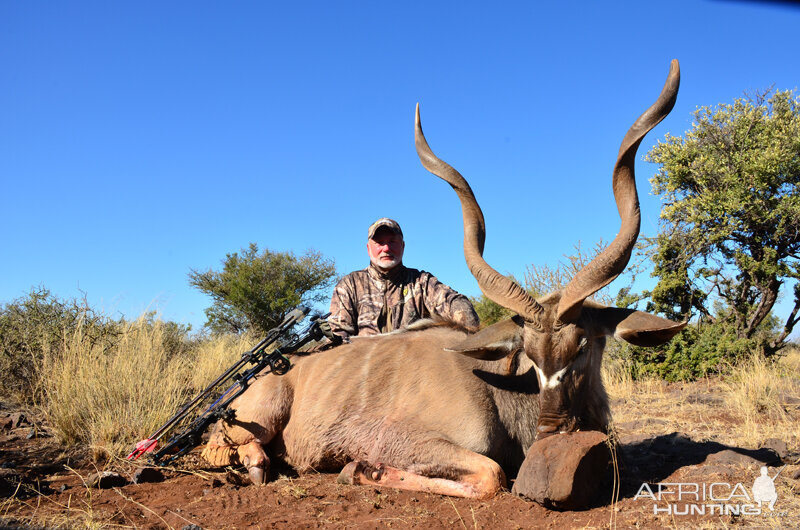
[
  {"x": 260, "y": 414},
  {"x": 223, "y": 450}
]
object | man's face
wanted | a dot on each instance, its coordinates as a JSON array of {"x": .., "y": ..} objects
[{"x": 385, "y": 249}]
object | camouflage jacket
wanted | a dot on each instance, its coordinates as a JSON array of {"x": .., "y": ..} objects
[{"x": 368, "y": 302}]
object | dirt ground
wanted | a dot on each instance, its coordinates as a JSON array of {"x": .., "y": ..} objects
[{"x": 43, "y": 486}]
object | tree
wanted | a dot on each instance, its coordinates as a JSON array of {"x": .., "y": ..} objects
[
  {"x": 256, "y": 290},
  {"x": 730, "y": 231}
]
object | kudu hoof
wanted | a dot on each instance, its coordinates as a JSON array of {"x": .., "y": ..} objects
[
  {"x": 257, "y": 475},
  {"x": 348, "y": 473},
  {"x": 360, "y": 473}
]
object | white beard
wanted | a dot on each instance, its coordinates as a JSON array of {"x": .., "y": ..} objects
[{"x": 386, "y": 265}]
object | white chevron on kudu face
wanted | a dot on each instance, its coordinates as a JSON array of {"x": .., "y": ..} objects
[{"x": 551, "y": 382}]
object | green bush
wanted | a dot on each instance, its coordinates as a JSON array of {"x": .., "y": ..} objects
[
  {"x": 698, "y": 351},
  {"x": 39, "y": 324},
  {"x": 488, "y": 311}
]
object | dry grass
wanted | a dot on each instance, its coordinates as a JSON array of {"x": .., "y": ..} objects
[
  {"x": 212, "y": 357},
  {"x": 763, "y": 395},
  {"x": 108, "y": 397},
  {"x": 620, "y": 384},
  {"x": 756, "y": 401}
]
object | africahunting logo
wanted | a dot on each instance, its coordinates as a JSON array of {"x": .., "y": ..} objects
[{"x": 717, "y": 498}]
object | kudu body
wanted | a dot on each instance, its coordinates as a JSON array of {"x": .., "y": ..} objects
[{"x": 437, "y": 408}]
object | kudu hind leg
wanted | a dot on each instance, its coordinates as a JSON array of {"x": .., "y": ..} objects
[{"x": 474, "y": 475}]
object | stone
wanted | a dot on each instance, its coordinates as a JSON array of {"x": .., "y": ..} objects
[
  {"x": 18, "y": 419},
  {"x": 796, "y": 474},
  {"x": 105, "y": 480},
  {"x": 753, "y": 458},
  {"x": 147, "y": 474},
  {"x": 791, "y": 400},
  {"x": 565, "y": 471},
  {"x": 715, "y": 470},
  {"x": 777, "y": 445},
  {"x": 236, "y": 478}
]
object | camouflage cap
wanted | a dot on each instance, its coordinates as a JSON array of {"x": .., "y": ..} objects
[{"x": 391, "y": 224}]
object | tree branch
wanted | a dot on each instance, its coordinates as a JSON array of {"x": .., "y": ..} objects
[
  {"x": 789, "y": 326},
  {"x": 769, "y": 294}
]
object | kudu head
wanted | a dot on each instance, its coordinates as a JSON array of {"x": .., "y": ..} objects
[{"x": 563, "y": 333}]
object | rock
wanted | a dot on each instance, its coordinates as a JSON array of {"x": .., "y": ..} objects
[
  {"x": 17, "y": 419},
  {"x": 192, "y": 527},
  {"x": 564, "y": 471},
  {"x": 105, "y": 479},
  {"x": 777, "y": 445},
  {"x": 704, "y": 399},
  {"x": 729, "y": 456},
  {"x": 715, "y": 470},
  {"x": 48, "y": 468},
  {"x": 634, "y": 439},
  {"x": 796, "y": 474},
  {"x": 147, "y": 474},
  {"x": 236, "y": 478},
  {"x": 637, "y": 425},
  {"x": 791, "y": 400}
]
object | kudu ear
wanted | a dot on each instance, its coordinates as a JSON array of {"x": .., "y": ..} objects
[
  {"x": 494, "y": 342},
  {"x": 637, "y": 327}
]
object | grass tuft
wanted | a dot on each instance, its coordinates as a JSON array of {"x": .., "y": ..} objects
[{"x": 108, "y": 396}]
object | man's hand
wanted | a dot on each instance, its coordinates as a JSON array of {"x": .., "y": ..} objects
[{"x": 325, "y": 328}]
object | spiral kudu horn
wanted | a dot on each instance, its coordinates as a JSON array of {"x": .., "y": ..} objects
[
  {"x": 493, "y": 284},
  {"x": 613, "y": 260}
]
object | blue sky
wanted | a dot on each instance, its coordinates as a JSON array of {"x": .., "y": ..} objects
[{"x": 140, "y": 140}]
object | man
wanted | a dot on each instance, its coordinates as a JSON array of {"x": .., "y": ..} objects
[{"x": 388, "y": 295}]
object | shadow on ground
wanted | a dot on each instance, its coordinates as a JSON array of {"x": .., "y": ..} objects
[{"x": 655, "y": 459}]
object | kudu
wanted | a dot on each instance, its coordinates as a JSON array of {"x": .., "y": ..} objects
[{"x": 436, "y": 408}]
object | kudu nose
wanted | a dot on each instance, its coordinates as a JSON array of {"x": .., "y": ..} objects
[
  {"x": 545, "y": 431},
  {"x": 551, "y": 423}
]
